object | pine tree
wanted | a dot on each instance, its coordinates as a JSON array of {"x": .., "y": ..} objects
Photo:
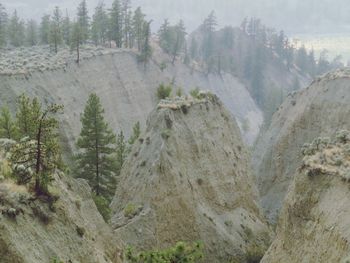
[
  {"x": 16, "y": 30},
  {"x": 180, "y": 33},
  {"x": 208, "y": 29},
  {"x": 136, "y": 131},
  {"x": 116, "y": 23},
  {"x": 121, "y": 152},
  {"x": 55, "y": 37},
  {"x": 24, "y": 117},
  {"x": 3, "y": 25},
  {"x": 194, "y": 48},
  {"x": 146, "y": 49},
  {"x": 45, "y": 29},
  {"x": 138, "y": 28},
  {"x": 8, "y": 128},
  {"x": 96, "y": 145},
  {"x": 164, "y": 35},
  {"x": 40, "y": 151},
  {"x": 84, "y": 21},
  {"x": 99, "y": 25},
  {"x": 66, "y": 29},
  {"x": 126, "y": 16},
  {"x": 32, "y": 33},
  {"x": 76, "y": 39}
]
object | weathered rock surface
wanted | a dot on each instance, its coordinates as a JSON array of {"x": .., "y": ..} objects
[
  {"x": 321, "y": 109},
  {"x": 188, "y": 179},
  {"x": 314, "y": 222},
  {"x": 71, "y": 230},
  {"x": 127, "y": 88}
]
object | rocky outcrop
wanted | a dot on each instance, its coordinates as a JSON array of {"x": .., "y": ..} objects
[
  {"x": 39, "y": 230},
  {"x": 188, "y": 179},
  {"x": 314, "y": 222},
  {"x": 318, "y": 110}
]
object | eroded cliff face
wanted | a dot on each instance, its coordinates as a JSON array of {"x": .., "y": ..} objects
[
  {"x": 36, "y": 230},
  {"x": 314, "y": 222},
  {"x": 318, "y": 110},
  {"x": 188, "y": 179},
  {"x": 127, "y": 88}
]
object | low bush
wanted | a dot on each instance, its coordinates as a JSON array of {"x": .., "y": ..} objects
[
  {"x": 102, "y": 205},
  {"x": 180, "y": 253},
  {"x": 164, "y": 91},
  {"x": 130, "y": 210}
]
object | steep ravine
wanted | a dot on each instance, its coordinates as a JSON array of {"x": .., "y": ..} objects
[
  {"x": 314, "y": 222},
  {"x": 319, "y": 110},
  {"x": 35, "y": 230},
  {"x": 127, "y": 90}
]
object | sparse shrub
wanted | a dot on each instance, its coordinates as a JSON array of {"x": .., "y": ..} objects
[
  {"x": 228, "y": 223},
  {"x": 184, "y": 108},
  {"x": 180, "y": 253},
  {"x": 254, "y": 254},
  {"x": 195, "y": 93},
  {"x": 102, "y": 206},
  {"x": 164, "y": 91},
  {"x": 200, "y": 181},
  {"x": 162, "y": 66},
  {"x": 130, "y": 210},
  {"x": 56, "y": 260},
  {"x": 80, "y": 231},
  {"x": 343, "y": 136},
  {"x": 166, "y": 134},
  {"x": 41, "y": 214},
  {"x": 179, "y": 92}
]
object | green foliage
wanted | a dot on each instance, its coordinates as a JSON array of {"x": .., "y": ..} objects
[
  {"x": 343, "y": 136},
  {"x": 3, "y": 25},
  {"x": 55, "y": 35},
  {"x": 56, "y": 260},
  {"x": 38, "y": 154},
  {"x": 130, "y": 210},
  {"x": 8, "y": 128},
  {"x": 166, "y": 134},
  {"x": 136, "y": 132},
  {"x": 162, "y": 66},
  {"x": 102, "y": 205},
  {"x": 121, "y": 153},
  {"x": 96, "y": 145},
  {"x": 116, "y": 20},
  {"x": 16, "y": 30},
  {"x": 195, "y": 93},
  {"x": 44, "y": 30},
  {"x": 146, "y": 49},
  {"x": 76, "y": 39},
  {"x": 164, "y": 91},
  {"x": 99, "y": 29},
  {"x": 172, "y": 38},
  {"x": 83, "y": 20},
  {"x": 180, "y": 253},
  {"x": 254, "y": 254},
  {"x": 179, "y": 92}
]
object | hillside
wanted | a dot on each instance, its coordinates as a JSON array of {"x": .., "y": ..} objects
[
  {"x": 126, "y": 88},
  {"x": 314, "y": 222},
  {"x": 319, "y": 110},
  {"x": 37, "y": 230},
  {"x": 188, "y": 178}
]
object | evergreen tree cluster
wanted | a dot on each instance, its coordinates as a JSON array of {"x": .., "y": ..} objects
[
  {"x": 172, "y": 39},
  {"x": 101, "y": 152},
  {"x": 117, "y": 26},
  {"x": 36, "y": 154}
]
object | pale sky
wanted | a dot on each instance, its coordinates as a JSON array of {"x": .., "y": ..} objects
[{"x": 292, "y": 15}]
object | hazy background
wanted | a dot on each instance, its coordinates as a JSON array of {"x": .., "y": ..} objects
[
  {"x": 294, "y": 16},
  {"x": 318, "y": 24}
]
